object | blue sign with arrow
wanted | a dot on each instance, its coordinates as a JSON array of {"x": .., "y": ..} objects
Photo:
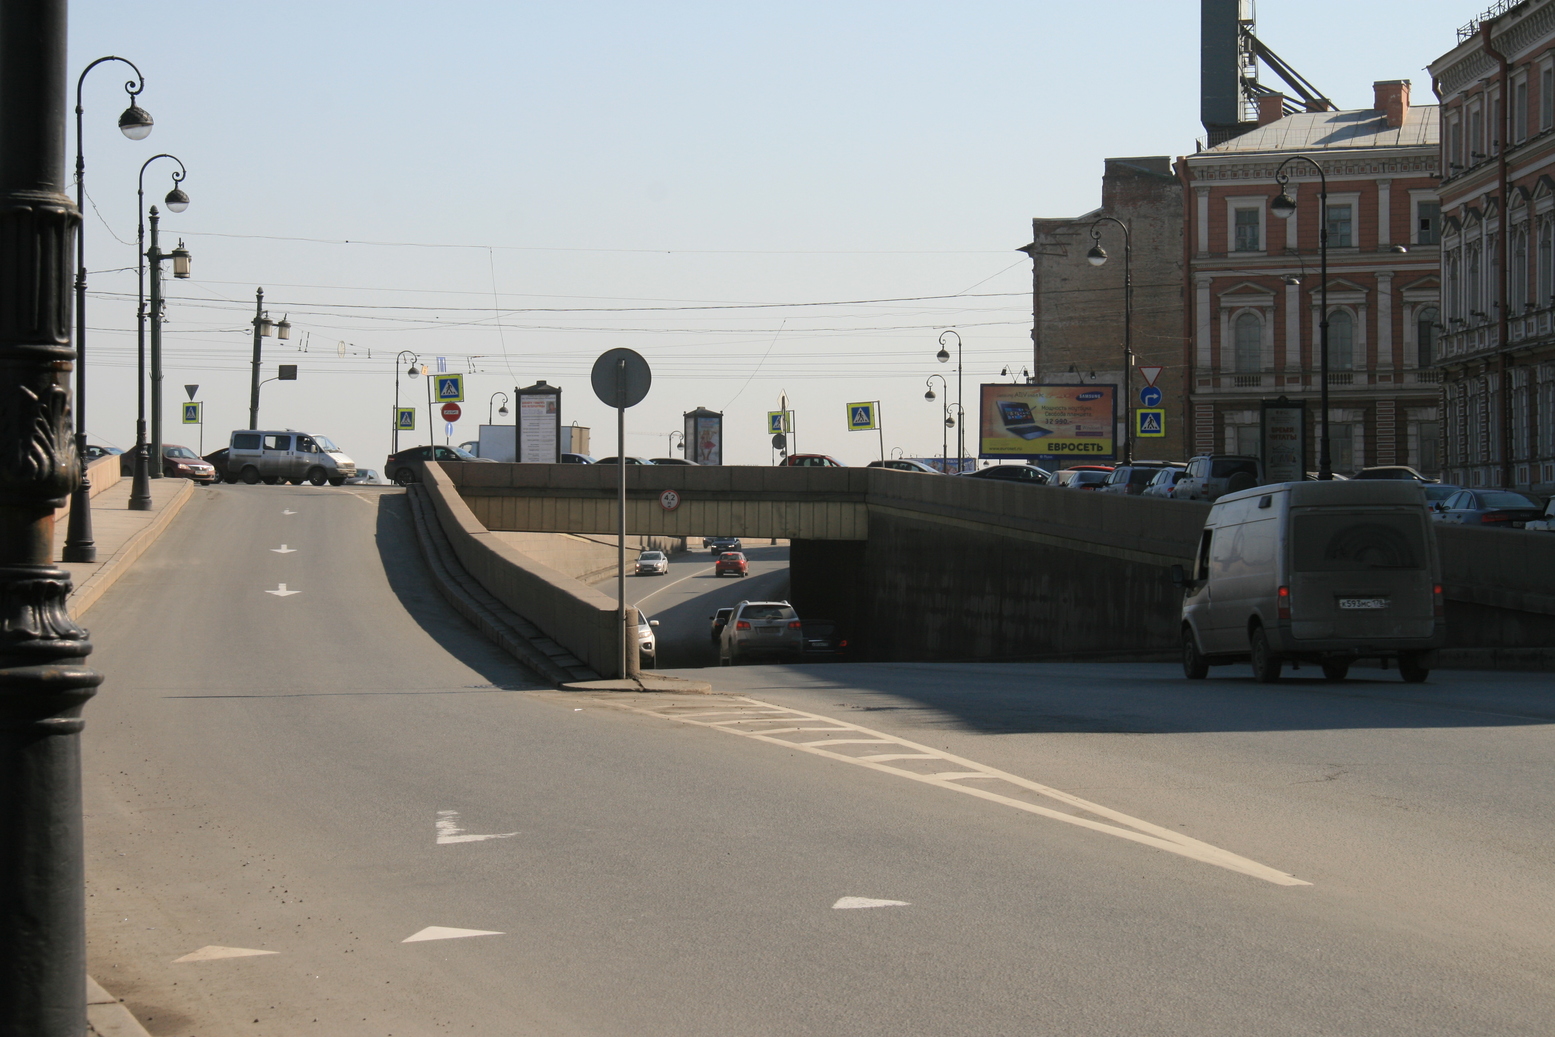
[{"x": 1150, "y": 396}]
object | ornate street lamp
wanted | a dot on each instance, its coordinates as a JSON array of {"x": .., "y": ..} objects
[
  {"x": 1285, "y": 207},
  {"x": 503, "y": 411},
  {"x": 177, "y": 201},
  {"x": 135, "y": 123},
  {"x": 944, "y": 443},
  {"x": 943, "y": 356},
  {"x": 1097, "y": 256},
  {"x": 413, "y": 371}
]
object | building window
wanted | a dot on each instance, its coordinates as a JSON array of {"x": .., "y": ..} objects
[
  {"x": 1476, "y": 136},
  {"x": 1339, "y": 222},
  {"x": 1471, "y": 283},
  {"x": 1249, "y": 343},
  {"x": 1520, "y": 110},
  {"x": 1247, "y": 238},
  {"x": 1455, "y": 152},
  {"x": 1425, "y": 336},
  {"x": 1428, "y": 450},
  {"x": 1517, "y": 289},
  {"x": 1341, "y": 340},
  {"x": 1547, "y": 98},
  {"x": 1546, "y": 294},
  {"x": 1341, "y": 446},
  {"x": 1454, "y": 285},
  {"x": 1428, "y": 223}
]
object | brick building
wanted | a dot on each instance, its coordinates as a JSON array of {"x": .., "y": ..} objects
[
  {"x": 1253, "y": 291},
  {"x": 1077, "y": 308},
  {"x": 1497, "y": 352}
]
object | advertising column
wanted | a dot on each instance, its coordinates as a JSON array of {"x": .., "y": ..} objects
[
  {"x": 1284, "y": 440},
  {"x": 704, "y": 440},
  {"x": 539, "y": 421}
]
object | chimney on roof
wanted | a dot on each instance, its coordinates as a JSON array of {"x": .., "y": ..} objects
[
  {"x": 1392, "y": 99},
  {"x": 1271, "y": 108}
]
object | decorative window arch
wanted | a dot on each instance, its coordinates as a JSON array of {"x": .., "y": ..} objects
[
  {"x": 1341, "y": 340},
  {"x": 1247, "y": 333}
]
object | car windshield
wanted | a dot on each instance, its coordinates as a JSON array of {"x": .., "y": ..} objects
[
  {"x": 326, "y": 445},
  {"x": 178, "y": 451},
  {"x": 767, "y": 613},
  {"x": 1507, "y": 499},
  {"x": 1358, "y": 541},
  {"x": 650, "y": 556}
]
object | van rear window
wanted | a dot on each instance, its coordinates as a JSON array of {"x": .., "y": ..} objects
[
  {"x": 245, "y": 441},
  {"x": 1358, "y": 542}
]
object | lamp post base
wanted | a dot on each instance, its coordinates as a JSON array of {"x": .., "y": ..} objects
[{"x": 140, "y": 488}]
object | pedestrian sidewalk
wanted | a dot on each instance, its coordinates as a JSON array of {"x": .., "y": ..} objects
[{"x": 121, "y": 536}]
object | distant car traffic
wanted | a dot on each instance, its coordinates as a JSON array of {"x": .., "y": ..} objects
[
  {"x": 673, "y": 460},
  {"x": 1133, "y": 478},
  {"x": 903, "y": 464},
  {"x": 718, "y": 620},
  {"x": 1438, "y": 491},
  {"x": 365, "y": 477},
  {"x": 179, "y": 462},
  {"x": 732, "y": 562},
  {"x": 652, "y": 563},
  {"x": 1162, "y": 483},
  {"x": 647, "y": 640},
  {"x": 1391, "y": 471},
  {"x": 1029, "y": 474},
  {"x": 1082, "y": 479},
  {"x": 761, "y": 629},
  {"x": 1547, "y": 523},
  {"x": 577, "y": 459},
  {"x": 399, "y": 467},
  {"x": 718, "y": 545},
  {"x": 629, "y": 460},
  {"x": 1504, "y": 509},
  {"x": 823, "y": 637},
  {"x": 93, "y": 451},
  {"x": 217, "y": 459},
  {"x": 1209, "y": 476},
  {"x": 811, "y": 461}
]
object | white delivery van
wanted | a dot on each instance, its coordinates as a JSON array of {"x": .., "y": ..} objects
[{"x": 1315, "y": 572}]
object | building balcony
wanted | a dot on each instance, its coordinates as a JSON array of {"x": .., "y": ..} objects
[{"x": 1210, "y": 382}]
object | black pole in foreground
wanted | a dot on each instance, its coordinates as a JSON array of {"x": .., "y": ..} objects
[{"x": 43, "y": 679}]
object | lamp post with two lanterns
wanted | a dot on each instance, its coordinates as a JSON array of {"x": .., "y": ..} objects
[
  {"x": 176, "y": 201},
  {"x": 943, "y": 356},
  {"x": 264, "y": 328}
]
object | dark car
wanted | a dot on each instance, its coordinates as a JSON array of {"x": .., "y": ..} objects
[
  {"x": 399, "y": 467},
  {"x": 1439, "y": 491},
  {"x": 629, "y": 460},
  {"x": 1211, "y": 475},
  {"x": 718, "y": 545},
  {"x": 1029, "y": 474},
  {"x": 1083, "y": 479},
  {"x": 179, "y": 462},
  {"x": 731, "y": 562},
  {"x": 1503, "y": 509},
  {"x": 673, "y": 460},
  {"x": 1132, "y": 479},
  {"x": 823, "y": 637},
  {"x": 217, "y": 459},
  {"x": 577, "y": 459},
  {"x": 719, "y": 619},
  {"x": 903, "y": 464},
  {"x": 811, "y": 461}
]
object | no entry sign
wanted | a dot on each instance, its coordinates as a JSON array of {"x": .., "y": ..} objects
[{"x": 451, "y": 412}]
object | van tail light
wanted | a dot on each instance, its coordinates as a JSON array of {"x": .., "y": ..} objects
[
  {"x": 794, "y": 625},
  {"x": 1438, "y": 606},
  {"x": 1282, "y": 602},
  {"x": 742, "y": 625}
]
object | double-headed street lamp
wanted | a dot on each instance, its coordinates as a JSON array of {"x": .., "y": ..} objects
[
  {"x": 1097, "y": 256},
  {"x": 944, "y": 442},
  {"x": 177, "y": 201},
  {"x": 264, "y": 328},
  {"x": 943, "y": 356},
  {"x": 135, "y": 123},
  {"x": 413, "y": 371}
]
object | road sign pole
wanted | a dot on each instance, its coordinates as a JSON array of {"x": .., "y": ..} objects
[{"x": 621, "y": 507}]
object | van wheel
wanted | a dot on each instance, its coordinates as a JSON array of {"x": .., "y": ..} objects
[
  {"x": 404, "y": 477},
  {"x": 1266, "y": 665},
  {"x": 1412, "y": 667},
  {"x": 317, "y": 477},
  {"x": 1194, "y": 666},
  {"x": 250, "y": 475},
  {"x": 1335, "y": 671}
]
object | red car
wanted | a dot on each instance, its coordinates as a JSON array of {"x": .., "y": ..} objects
[{"x": 731, "y": 562}]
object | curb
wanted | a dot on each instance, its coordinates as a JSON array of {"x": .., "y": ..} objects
[
  {"x": 652, "y": 682},
  {"x": 107, "y": 574},
  {"x": 106, "y": 1017}
]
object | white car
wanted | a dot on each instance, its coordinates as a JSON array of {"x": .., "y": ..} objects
[
  {"x": 652, "y": 563},
  {"x": 1547, "y": 523},
  {"x": 647, "y": 640}
]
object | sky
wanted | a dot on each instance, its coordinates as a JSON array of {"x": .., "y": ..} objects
[{"x": 762, "y": 199}]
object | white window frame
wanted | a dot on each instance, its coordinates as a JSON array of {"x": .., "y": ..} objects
[
  {"x": 1416, "y": 198},
  {"x": 1353, "y": 200},
  {"x": 1254, "y": 201}
]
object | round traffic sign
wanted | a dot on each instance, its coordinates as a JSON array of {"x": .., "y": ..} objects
[
  {"x": 621, "y": 377},
  {"x": 780, "y": 441},
  {"x": 1150, "y": 396},
  {"x": 669, "y": 500},
  {"x": 451, "y": 412}
]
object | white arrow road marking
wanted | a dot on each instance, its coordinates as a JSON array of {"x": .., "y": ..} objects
[
  {"x": 284, "y": 550},
  {"x": 448, "y": 830},
  {"x": 439, "y": 932},
  {"x": 288, "y": 511},
  {"x": 852, "y": 902},
  {"x": 213, "y": 952},
  {"x": 282, "y": 592},
  {"x": 946, "y": 771}
]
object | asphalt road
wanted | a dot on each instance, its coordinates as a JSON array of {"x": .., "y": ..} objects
[
  {"x": 684, "y": 600},
  {"x": 1076, "y": 850}
]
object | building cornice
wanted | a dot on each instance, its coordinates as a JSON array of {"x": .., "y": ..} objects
[{"x": 1420, "y": 162}]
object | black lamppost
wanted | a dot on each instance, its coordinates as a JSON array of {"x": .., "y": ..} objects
[
  {"x": 265, "y": 328},
  {"x": 503, "y": 411},
  {"x": 673, "y": 444},
  {"x": 177, "y": 201},
  {"x": 951, "y": 422},
  {"x": 1285, "y": 207},
  {"x": 134, "y": 123},
  {"x": 180, "y": 258},
  {"x": 944, "y": 443},
  {"x": 943, "y": 356},
  {"x": 1096, "y": 257},
  {"x": 44, "y": 681},
  {"x": 414, "y": 371}
]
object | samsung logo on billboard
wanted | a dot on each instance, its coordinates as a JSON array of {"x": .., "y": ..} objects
[{"x": 1094, "y": 394}]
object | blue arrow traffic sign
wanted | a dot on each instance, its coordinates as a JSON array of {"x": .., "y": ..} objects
[{"x": 1150, "y": 396}]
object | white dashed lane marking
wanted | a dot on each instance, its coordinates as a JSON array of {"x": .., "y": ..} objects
[
  {"x": 214, "y": 952},
  {"x": 441, "y": 932},
  {"x": 921, "y": 763}
]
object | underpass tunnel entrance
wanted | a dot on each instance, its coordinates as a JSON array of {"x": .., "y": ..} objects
[{"x": 827, "y": 580}]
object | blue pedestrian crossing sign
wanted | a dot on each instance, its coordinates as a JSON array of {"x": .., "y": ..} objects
[
  {"x": 1151, "y": 423},
  {"x": 191, "y": 413},
  {"x": 450, "y": 388},
  {"x": 863, "y": 416},
  {"x": 777, "y": 422},
  {"x": 405, "y": 419}
]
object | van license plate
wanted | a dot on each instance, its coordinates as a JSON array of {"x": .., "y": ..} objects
[{"x": 1363, "y": 603}]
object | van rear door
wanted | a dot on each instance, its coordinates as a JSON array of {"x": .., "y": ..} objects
[{"x": 1362, "y": 574}]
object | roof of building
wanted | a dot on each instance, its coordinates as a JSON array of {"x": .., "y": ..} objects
[{"x": 1362, "y": 128}]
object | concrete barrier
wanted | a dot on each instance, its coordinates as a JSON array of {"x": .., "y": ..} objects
[{"x": 574, "y": 614}]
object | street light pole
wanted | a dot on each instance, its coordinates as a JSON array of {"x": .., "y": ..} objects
[
  {"x": 944, "y": 443},
  {"x": 943, "y": 356},
  {"x": 177, "y": 201},
  {"x": 1285, "y": 207},
  {"x": 180, "y": 257},
  {"x": 1097, "y": 256},
  {"x": 263, "y": 328},
  {"x": 134, "y": 123},
  {"x": 672, "y": 436},
  {"x": 44, "y": 681},
  {"x": 413, "y": 372}
]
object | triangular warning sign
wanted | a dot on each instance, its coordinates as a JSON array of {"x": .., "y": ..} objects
[{"x": 1150, "y": 373}]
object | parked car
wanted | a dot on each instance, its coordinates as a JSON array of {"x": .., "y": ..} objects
[
  {"x": 811, "y": 461},
  {"x": 1163, "y": 483},
  {"x": 903, "y": 464},
  {"x": 647, "y": 640},
  {"x": 629, "y": 460},
  {"x": 398, "y": 467},
  {"x": 217, "y": 459},
  {"x": 1438, "y": 491},
  {"x": 179, "y": 462},
  {"x": 761, "y": 629},
  {"x": 731, "y": 562},
  {"x": 1504, "y": 509},
  {"x": 1209, "y": 476},
  {"x": 652, "y": 563},
  {"x": 1083, "y": 479},
  {"x": 1132, "y": 479},
  {"x": 577, "y": 459},
  {"x": 93, "y": 451},
  {"x": 823, "y": 637},
  {"x": 1322, "y": 572},
  {"x": 286, "y": 455},
  {"x": 471, "y": 447},
  {"x": 1391, "y": 471},
  {"x": 718, "y": 620},
  {"x": 718, "y": 545},
  {"x": 365, "y": 477},
  {"x": 673, "y": 460},
  {"x": 1029, "y": 474}
]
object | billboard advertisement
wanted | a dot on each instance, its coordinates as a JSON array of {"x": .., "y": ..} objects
[{"x": 1069, "y": 424}]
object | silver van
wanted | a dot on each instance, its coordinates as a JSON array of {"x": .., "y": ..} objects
[
  {"x": 1318, "y": 572},
  {"x": 256, "y": 455}
]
